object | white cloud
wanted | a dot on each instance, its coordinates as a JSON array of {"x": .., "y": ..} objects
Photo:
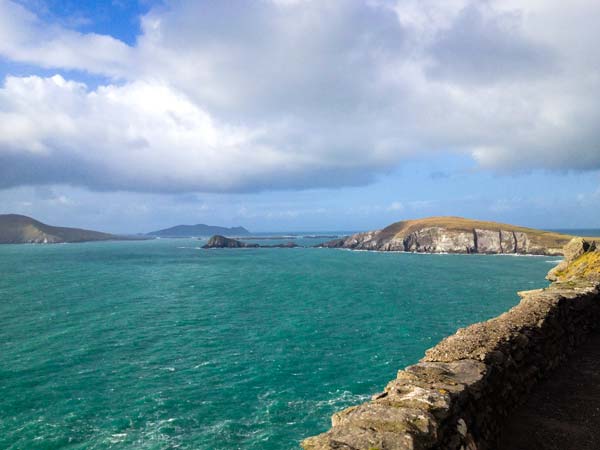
[
  {"x": 25, "y": 38},
  {"x": 395, "y": 206},
  {"x": 138, "y": 135},
  {"x": 272, "y": 94}
]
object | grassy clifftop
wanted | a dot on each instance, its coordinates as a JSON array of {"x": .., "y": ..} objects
[
  {"x": 548, "y": 239},
  {"x": 17, "y": 229},
  {"x": 582, "y": 262}
]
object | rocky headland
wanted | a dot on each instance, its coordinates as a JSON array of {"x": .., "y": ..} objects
[
  {"x": 18, "y": 229},
  {"x": 460, "y": 395},
  {"x": 455, "y": 235}
]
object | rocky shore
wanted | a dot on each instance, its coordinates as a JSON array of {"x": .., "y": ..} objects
[
  {"x": 460, "y": 394},
  {"x": 455, "y": 235}
]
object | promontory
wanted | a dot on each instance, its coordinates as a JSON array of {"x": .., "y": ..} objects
[
  {"x": 455, "y": 235},
  {"x": 18, "y": 229}
]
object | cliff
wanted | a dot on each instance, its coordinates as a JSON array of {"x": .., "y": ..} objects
[
  {"x": 17, "y": 229},
  {"x": 582, "y": 261},
  {"x": 460, "y": 394},
  {"x": 455, "y": 235}
]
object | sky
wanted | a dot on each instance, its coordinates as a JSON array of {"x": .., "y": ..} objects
[{"x": 299, "y": 115}]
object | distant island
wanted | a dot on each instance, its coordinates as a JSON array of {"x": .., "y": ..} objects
[
  {"x": 186, "y": 231},
  {"x": 18, "y": 229},
  {"x": 455, "y": 235}
]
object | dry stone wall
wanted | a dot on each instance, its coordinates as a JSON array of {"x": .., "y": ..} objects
[{"x": 458, "y": 396}]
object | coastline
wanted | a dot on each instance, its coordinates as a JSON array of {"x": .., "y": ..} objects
[
  {"x": 459, "y": 395},
  {"x": 449, "y": 253}
]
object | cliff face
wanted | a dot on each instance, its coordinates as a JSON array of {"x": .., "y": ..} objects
[
  {"x": 455, "y": 235},
  {"x": 459, "y": 395}
]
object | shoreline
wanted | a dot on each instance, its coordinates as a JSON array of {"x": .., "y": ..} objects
[
  {"x": 445, "y": 253},
  {"x": 461, "y": 393}
]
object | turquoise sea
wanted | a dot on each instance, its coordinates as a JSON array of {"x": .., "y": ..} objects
[{"x": 162, "y": 345}]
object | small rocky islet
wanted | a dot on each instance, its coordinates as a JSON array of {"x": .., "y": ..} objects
[{"x": 219, "y": 241}]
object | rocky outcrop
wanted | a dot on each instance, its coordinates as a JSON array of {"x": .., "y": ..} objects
[
  {"x": 460, "y": 393},
  {"x": 454, "y": 235},
  {"x": 218, "y": 241},
  {"x": 360, "y": 241},
  {"x": 582, "y": 261}
]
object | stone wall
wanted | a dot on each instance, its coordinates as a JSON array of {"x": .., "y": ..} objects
[{"x": 459, "y": 394}]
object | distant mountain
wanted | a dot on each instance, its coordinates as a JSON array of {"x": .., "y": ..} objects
[
  {"x": 17, "y": 229},
  {"x": 199, "y": 230}
]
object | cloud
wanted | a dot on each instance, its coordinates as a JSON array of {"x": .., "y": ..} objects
[
  {"x": 395, "y": 206},
  {"x": 141, "y": 136},
  {"x": 253, "y": 95},
  {"x": 483, "y": 45},
  {"x": 25, "y": 38}
]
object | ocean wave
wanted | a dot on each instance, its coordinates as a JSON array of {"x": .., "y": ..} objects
[{"x": 338, "y": 399}]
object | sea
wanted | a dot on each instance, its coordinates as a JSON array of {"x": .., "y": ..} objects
[{"x": 163, "y": 345}]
